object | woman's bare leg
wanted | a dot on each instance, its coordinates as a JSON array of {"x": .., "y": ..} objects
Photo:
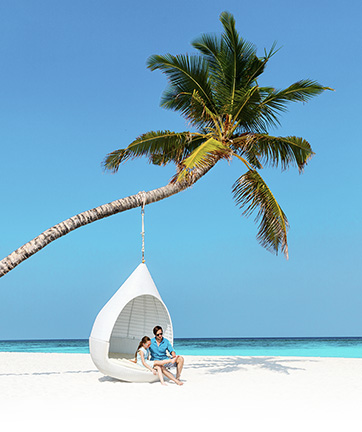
[
  {"x": 160, "y": 376},
  {"x": 163, "y": 362},
  {"x": 170, "y": 376}
]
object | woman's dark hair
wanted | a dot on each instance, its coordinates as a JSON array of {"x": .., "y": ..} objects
[
  {"x": 144, "y": 340},
  {"x": 156, "y": 329}
]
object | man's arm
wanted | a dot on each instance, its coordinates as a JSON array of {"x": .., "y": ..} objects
[{"x": 171, "y": 350}]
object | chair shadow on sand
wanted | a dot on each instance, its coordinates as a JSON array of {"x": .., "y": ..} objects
[
  {"x": 232, "y": 364},
  {"x": 219, "y": 365}
]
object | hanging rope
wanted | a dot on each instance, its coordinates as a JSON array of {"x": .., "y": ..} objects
[{"x": 143, "y": 226}]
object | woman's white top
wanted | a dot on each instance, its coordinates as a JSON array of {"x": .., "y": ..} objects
[{"x": 146, "y": 353}]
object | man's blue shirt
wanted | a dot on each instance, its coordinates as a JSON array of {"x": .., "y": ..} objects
[{"x": 158, "y": 352}]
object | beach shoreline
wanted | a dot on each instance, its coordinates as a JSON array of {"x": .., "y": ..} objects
[{"x": 71, "y": 384}]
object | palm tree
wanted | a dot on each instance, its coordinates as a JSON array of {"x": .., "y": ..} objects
[{"x": 217, "y": 92}]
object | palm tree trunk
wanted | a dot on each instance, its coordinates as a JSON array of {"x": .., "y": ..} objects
[{"x": 28, "y": 249}]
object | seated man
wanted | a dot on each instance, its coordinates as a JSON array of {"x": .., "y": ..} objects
[{"x": 158, "y": 348}]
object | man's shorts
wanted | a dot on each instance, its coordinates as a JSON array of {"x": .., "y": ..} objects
[{"x": 170, "y": 365}]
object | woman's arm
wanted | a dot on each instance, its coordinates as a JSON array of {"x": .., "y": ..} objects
[{"x": 143, "y": 361}]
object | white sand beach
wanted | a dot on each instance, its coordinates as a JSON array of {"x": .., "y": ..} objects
[{"x": 66, "y": 390}]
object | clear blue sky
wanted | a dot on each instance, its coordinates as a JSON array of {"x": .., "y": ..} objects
[{"x": 74, "y": 86}]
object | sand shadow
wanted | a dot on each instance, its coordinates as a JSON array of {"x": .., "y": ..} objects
[
  {"x": 232, "y": 364},
  {"x": 112, "y": 380}
]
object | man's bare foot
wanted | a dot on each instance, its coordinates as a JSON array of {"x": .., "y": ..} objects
[
  {"x": 164, "y": 384},
  {"x": 178, "y": 382}
]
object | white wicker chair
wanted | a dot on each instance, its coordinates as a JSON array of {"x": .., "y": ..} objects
[{"x": 129, "y": 315}]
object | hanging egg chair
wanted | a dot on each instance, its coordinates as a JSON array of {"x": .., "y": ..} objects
[{"x": 134, "y": 310}]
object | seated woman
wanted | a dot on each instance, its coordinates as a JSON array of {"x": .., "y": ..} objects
[{"x": 141, "y": 358}]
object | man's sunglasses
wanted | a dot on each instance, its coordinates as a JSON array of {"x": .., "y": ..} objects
[{"x": 159, "y": 334}]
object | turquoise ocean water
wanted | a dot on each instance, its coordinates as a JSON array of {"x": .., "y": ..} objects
[{"x": 348, "y": 347}]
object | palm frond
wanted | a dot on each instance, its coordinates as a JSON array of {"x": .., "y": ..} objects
[
  {"x": 257, "y": 66},
  {"x": 240, "y": 56},
  {"x": 199, "y": 107},
  {"x": 274, "y": 151},
  {"x": 210, "y": 47},
  {"x": 186, "y": 74},
  {"x": 260, "y": 115},
  {"x": 201, "y": 157},
  {"x": 251, "y": 192},
  {"x": 215, "y": 53},
  {"x": 300, "y": 91},
  {"x": 114, "y": 159},
  {"x": 246, "y": 102},
  {"x": 161, "y": 147},
  {"x": 243, "y": 146},
  {"x": 283, "y": 151},
  {"x": 255, "y": 116}
]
